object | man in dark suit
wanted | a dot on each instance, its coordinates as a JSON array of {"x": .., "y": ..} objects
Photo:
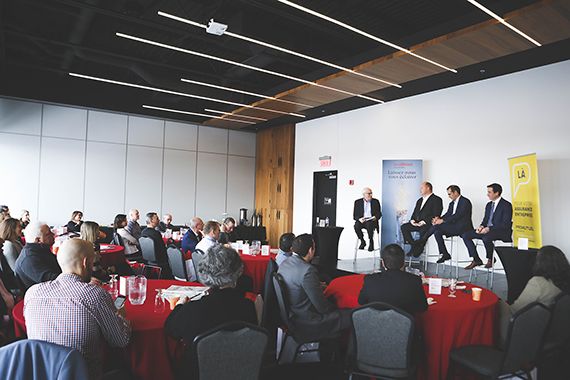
[
  {"x": 497, "y": 224},
  {"x": 427, "y": 207},
  {"x": 193, "y": 235},
  {"x": 367, "y": 213},
  {"x": 394, "y": 286}
]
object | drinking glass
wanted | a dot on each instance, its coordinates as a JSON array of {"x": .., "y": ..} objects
[
  {"x": 255, "y": 248},
  {"x": 137, "y": 290},
  {"x": 159, "y": 304},
  {"x": 452, "y": 287},
  {"x": 114, "y": 286}
]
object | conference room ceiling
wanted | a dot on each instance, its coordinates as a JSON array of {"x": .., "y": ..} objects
[{"x": 43, "y": 41}]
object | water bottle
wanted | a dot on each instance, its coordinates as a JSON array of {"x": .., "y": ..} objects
[{"x": 327, "y": 222}]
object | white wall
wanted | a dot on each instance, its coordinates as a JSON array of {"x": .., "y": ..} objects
[
  {"x": 464, "y": 135},
  {"x": 56, "y": 159}
]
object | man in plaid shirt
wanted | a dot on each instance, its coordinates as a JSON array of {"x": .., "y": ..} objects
[{"x": 72, "y": 312}]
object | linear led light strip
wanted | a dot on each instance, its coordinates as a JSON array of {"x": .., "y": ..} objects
[
  {"x": 192, "y": 52},
  {"x": 234, "y": 114},
  {"x": 363, "y": 33},
  {"x": 243, "y": 92},
  {"x": 271, "y": 46},
  {"x": 195, "y": 114},
  {"x": 181, "y": 94},
  {"x": 502, "y": 21}
]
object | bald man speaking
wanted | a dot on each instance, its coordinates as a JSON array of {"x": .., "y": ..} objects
[{"x": 367, "y": 213}]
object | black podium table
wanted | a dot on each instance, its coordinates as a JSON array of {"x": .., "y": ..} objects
[
  {"x": 249, "y": 233},
  {"x": 326, "y": 245},
  {"x": 518, "y": 266}
]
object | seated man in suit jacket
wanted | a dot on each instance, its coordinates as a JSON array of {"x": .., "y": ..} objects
[
  {"x": 193, "y": 235},
  {"x": 454, "y": 222},
  {"x": 313, "y": 316},
  {"x": 394, "y": 286},
  {"x": 159, "y": 247},
  {"x": 367, "y": 213},
  {"x": 497, "y": 224},
  {"x": 427, "y": 207}
]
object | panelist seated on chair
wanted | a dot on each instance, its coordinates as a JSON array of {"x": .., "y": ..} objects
[
  {"x": 427, "y": 207},
  {"x": 367, "y": 213},
  {"x": 454, "y": 222},
  {"x": 313, "y": 316},
  {"x": 497, "y": 224}
]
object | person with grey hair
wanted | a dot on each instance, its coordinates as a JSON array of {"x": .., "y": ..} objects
[
  {"x": 220, "y": 269},
  {"x": 133, "y": 226},
  {"x": 36, "y": 263},
  {"x": 159, "y": 247},
  {"x": 193, "y": 235}
]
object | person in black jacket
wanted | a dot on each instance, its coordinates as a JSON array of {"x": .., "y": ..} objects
[
  {"x": 427, "y": 207},
  {"x": 150, "y": 231},
  {"x": 367, "y": 213},
  {"x": 394, "y": 286},
  {"x": 74, "y": 225}
]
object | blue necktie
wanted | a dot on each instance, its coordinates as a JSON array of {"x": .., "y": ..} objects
[{"x": 490, "y": 222}]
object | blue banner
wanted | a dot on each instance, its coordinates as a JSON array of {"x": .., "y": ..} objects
[{"x": 401, "y": 180}]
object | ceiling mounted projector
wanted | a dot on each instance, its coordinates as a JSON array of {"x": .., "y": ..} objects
[{"x": 216, "y": 28}]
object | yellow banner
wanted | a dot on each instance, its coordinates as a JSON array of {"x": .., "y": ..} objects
[{"x": 526, "y": 200}]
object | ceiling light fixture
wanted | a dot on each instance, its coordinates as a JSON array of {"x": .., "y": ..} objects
[
  {"x": 363, "y": 33},
  {"x": 271, "y": 46},
  {"x": 502, "y": 21},
  {"x": 198, "y": 54},
  {"x": 195, "y": 114},
  {"x": 243, "y": 92},
  {"x": 181, "y": 94},
  {"x": 234, "y": 114}
]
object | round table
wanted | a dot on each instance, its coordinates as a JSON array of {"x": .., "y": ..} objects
[
  {"x": 112, "y": 255},
  {"x": 450, "y": 323},
  {"x": 255, "y": 267},
  {"x": 149, "y": 348}
]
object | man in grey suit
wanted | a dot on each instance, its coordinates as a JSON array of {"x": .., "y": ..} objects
[{"x": 313, "y": 316}]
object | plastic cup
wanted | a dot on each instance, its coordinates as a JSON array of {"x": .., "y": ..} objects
[{"x": 476, "y": 294}]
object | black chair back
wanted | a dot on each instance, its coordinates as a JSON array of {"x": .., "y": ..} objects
[
  {"x": 197, "y": 256},
  {"x": 558, "y": 334},
  {"x": 147, "y": 248},
  {"x": 117, "y": 240},
  {"x": 270, "y": 318},
  {"x": 232, "y": 351},
  {"x": 525, "y": 336},
  {"x": 283, "y": 300},
  {"x": 383, "y": 340},
  {"x": 177, "y": 264}
]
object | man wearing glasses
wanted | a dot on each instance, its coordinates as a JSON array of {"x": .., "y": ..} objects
[{"x": 367, "y": 213}]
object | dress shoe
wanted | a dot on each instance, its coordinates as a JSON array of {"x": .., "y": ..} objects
[
  {"x": 370, "y": 247},
  {"x": 362, "y": 244},
  {"x": 489, "y": 264},
  {"x": 443, "y": 259},
  {"x": 473, "y": 265}
]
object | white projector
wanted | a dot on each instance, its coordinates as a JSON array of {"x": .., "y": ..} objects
[{"x": 216, "y": 28}]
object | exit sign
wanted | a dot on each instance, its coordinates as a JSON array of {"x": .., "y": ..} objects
[{"x": 325, "y": 161}]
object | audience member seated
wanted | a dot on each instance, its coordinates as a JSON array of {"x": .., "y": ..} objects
[
  {"x": 130, "y": 244},
  {"x": 72, "y": 312},
  {"x": 394, "y": 286},
  {"x": 220, "y": 269},
  {"x": 313, "y": 315},
  {"x": 10, "y": 232},
  {"x": 90, "y": 232},
  {"x": 551, "y": 277},
  {"x": 285, "y": 246},
  {"x": 36, "y": 262},
  {"x": 133, "y": 226},
  {"x": 193, "y": 235},
  {"x": 497, "y": 224},
  {"x": 228, "y": 226},
  {"x": 159, "y": 248},
  {"x": 166, "y": 223},
  {"x": 25, "y": 219},
  {"x": 74, "y": 225},
  {"x": 211, "y": 235},
  {"x": 4, "y": 212},
  {"x": 9, "y": 288}
]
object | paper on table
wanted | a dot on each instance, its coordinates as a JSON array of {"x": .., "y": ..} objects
[
  {"x": 435, "y": 286},
  {"x": 192, "y": 292}
]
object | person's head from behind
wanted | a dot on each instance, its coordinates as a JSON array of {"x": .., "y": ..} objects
[
  {"x": 304, "y": 246},
  {"x": 196, "y": 224},
  {"x": 10, "y": 230},
  {"x": 229, "y": 224},
  {"x": 167, "y": 219},
  {"x": 552, "y": 264},
  {"x": 4, "y": 212},
  {"x": 426, "y": 188},
  {"x": 76, "y": 256},
  {"x": 25, "y": 216},
  {"x": 393, "y": 257},
  {"x": 494, "y": 191},
  {"x": 212, "y": 229},
  {"x": 76, "y": 216},
  {"x": 39, "y": 232},
  {"x": 367, "y": 193},
  {"x": 286, "y": 241},
  {"x": 152, "y": 220},
  {"x": 220, "y": 267},
  {"x": 89, "y": 231},
  {"x": 453, "y": 191},
  {"x": 134, "y": 214},
  {"x": 120, "y": 221}
]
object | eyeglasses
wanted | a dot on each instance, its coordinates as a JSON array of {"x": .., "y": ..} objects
[{"x": 367, "y": 193}]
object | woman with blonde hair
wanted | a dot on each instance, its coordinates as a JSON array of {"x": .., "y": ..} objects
[
  {"x": 10, "y": 232},
  {"x": 90, "y": 232}
]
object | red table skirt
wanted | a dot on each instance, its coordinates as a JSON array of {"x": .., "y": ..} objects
[
  {"x": 255, "y": 267},
  {"x": 450, "y": 323},
  {"x": 112, "y": 255}
]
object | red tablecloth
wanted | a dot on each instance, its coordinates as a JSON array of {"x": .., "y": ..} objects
[
  {"x": 255, "y": 267},
  {"x": 112, "y": 255},
  {"x": 450, "y": 323},
  {"x": 149, "y": 350}
]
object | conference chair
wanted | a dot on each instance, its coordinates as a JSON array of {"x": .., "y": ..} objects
[
  {"x": 525, "y": 336},
  {"x": 34, "y": 359},
  {"x": 197, "y": 256},
  {"x": 558, "y": 334},
  {"x": 270, "y": 319},
  {"x": 425, "y": 256},
  {"x": 177, "y": 263},
  {"x": 148, "y": 251},
  {"x": 490, "y": 271},
  {"x": 383, "y": 342},
  {"x": 232, "y": 351}
]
